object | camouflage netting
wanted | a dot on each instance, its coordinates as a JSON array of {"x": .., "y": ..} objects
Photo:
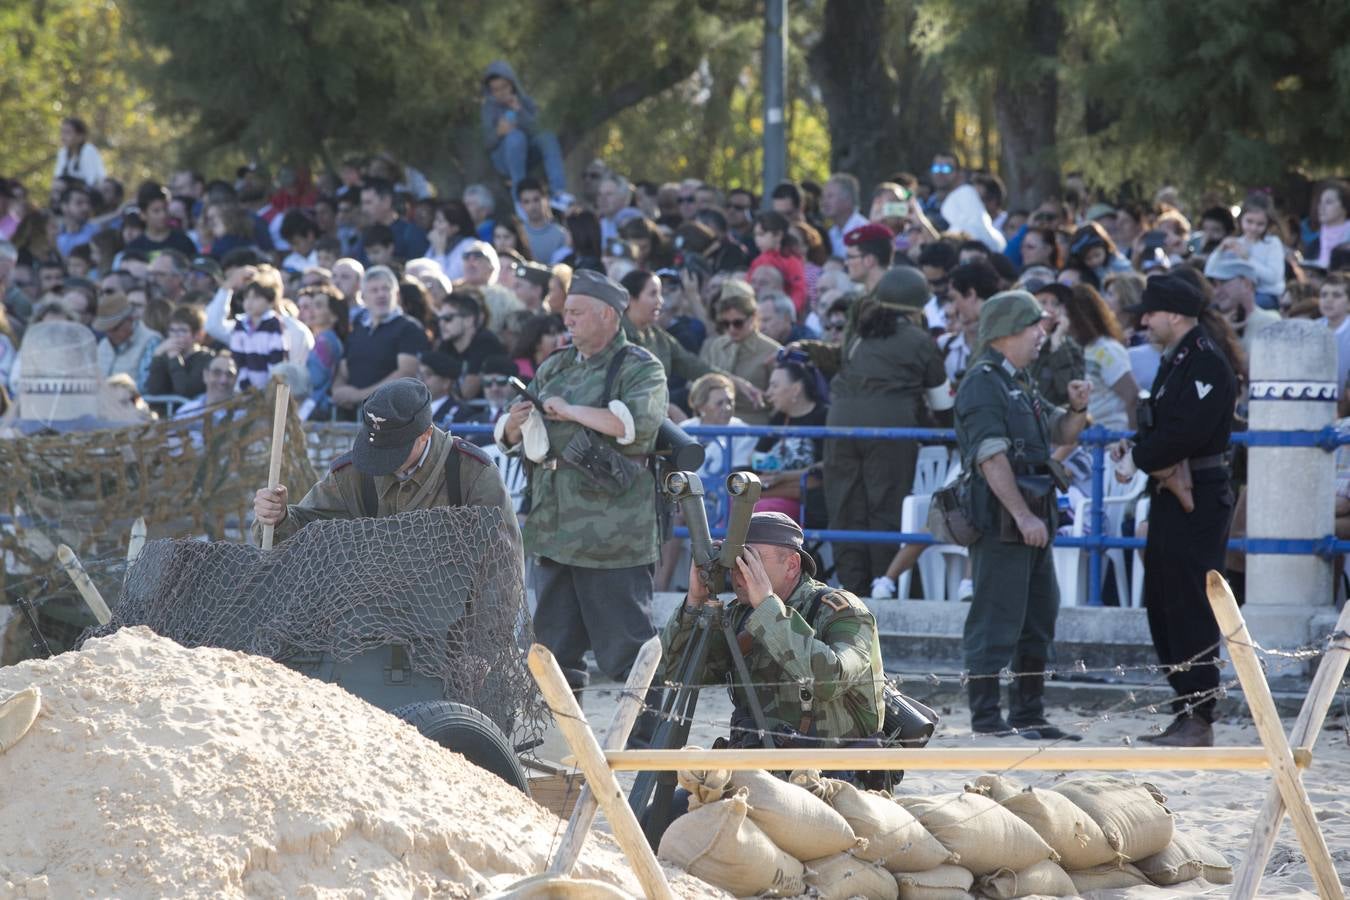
[
  {"x": 444, "y": 583},
  {"x": 186, "y": 477}
]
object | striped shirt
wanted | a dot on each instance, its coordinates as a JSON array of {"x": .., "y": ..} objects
[{"x": 258, "y": 349}]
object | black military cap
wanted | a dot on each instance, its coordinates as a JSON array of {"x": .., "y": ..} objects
[
  {"x": 392, "y": 420},
  {"x": 1171, "y": 293},
  {"x": 599, "y": 286},
  {"x": 779, "y": 530}
]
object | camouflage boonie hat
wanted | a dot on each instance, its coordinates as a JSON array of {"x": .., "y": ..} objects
[{"x": 1008, "y": 312}]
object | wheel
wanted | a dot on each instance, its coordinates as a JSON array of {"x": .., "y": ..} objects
[{"x": 467, "y": 731}]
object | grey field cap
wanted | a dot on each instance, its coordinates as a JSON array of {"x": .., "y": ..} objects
[
  {"x": 594, "y": 284},
  {"x": 392, "y": 420}
]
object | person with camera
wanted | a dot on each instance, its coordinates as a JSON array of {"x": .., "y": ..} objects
[
  {"x": 1004, "y": 430},
  {"x": 592, "y": 528},
  {"x": 812, "y": 651},
  {"x": 1184, "y": 431}
]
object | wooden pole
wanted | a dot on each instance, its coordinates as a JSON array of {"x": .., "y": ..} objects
[
  {"x": 625, "y": 715},
  {"x": 71, "y": 563},
  {"x": 590, "y": 758},
  {"x": 1267, "y": 720},
  {"x": 1306, "y": 730},
  {"x": 279, "y": 415},
  {"x": 972, "y": 759}
]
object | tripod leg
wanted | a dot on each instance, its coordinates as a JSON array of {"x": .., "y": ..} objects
[{"x": 748, "y": 689}]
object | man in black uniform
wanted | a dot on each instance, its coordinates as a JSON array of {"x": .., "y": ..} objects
[{"x": 1185, "y": 424}]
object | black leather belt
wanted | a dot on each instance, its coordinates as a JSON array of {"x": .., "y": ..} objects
[{"x": 1200, "y": 463}]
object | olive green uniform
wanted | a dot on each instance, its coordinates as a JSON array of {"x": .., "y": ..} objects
[
  {"x": 1011, "y": 621},
  {"x": 594, "y": 549},
  {"x": 1052, "y": 370},
  {"x": 338, "y": 493},
  {"x": 822, "y": 679}
]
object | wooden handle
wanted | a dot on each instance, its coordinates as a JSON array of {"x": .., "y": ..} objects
[
  {"x": 71, "y": 563},
  {"x": 279, "y": 415}
]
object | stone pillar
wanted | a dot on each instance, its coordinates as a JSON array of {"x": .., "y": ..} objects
[{"x": 1290, "y": 490}]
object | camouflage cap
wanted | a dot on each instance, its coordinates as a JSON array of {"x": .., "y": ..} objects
[{"x": 1008, "y": 312}]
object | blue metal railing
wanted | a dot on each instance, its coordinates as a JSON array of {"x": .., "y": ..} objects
[{"x": 1095, "y": 541}]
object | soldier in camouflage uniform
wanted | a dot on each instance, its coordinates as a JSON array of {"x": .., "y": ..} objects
[
  {"x": 812, "y": 651},
  {"x": 1004, "y": 429},
  {"x": 594, "y": 541},
  {"x": 398, "y": 462}
]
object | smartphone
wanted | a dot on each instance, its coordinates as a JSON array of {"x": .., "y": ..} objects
[{"x": 895, "y": 209}]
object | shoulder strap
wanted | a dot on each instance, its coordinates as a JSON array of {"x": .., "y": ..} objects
[
  {"x": 615, "y": 364},
  {"x": 368, "y": 500},
  {"x": 454, "y": 494}
]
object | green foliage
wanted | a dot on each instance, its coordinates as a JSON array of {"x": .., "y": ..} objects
[{"x": 70, "y": 57}]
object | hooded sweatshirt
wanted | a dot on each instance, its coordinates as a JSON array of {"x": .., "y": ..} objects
[{"x": 494, "y": 111}]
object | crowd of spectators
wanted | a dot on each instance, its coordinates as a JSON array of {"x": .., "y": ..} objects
[{"x": 360, "y": 276}]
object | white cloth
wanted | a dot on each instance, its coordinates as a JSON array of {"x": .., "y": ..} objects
[
  {"x": 955, "y": 354},
  {"x": 86, "y": 166},
  {"x": 933, "y": 314},
  {"x": 964, "y": 211},
  {"x": 1144, "y": 361},
  {"x": 1107, "y": 361},
  {"x": 837, "y": 246},
  {"x": 1267, "y": 258},
  {"x": 452, "y": 261}
]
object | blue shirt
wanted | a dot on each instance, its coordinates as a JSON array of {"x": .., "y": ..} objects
[{"x": 67, "y": 241}]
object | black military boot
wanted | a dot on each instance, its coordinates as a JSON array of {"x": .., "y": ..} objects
[
  {"x": 1026, "y": 704},
  {"x": 985, "y": 717}
]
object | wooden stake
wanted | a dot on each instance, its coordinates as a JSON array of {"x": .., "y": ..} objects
[
  {"x": 625, "y": 715},
  {"x": 71, "y": 563},
  {"x": 279, "y": 415},
  {"x": 1267, "y": 720},
  {"x": 965, "y": 759},
  {"x": 590, "y": 758}
]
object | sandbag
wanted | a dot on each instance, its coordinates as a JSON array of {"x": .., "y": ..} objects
[
  {"x": 983, "y": 835},
  {"x": 843, "y": 875},
  {"x": 1183, "y": 859},
  {"x": 939, "y": 883},
  {"x": 703, "y": 785},
  {"x": 894, "y": 838},
  {"x": 995, "y": 787},
  {"x": 717, "y": 843},
  {"x": 1045, "y": 878},
  {"x": 1110, "y": 877},
  {"x": 799, "y": 822},
  {"x": 1068, "y": 830},
  {"x": 1131, "y": 814}
]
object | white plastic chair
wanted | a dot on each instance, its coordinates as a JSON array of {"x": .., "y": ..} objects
[
  {"x": 512, "y": 470},
  {"x": 941, "y": 565},
  {"x": 1072, "y": 563}
]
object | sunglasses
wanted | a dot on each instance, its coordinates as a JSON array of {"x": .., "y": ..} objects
[
  {"x": 732, "y": 323},
  {"x": 496, "y": 380},
  {"x": 834, "y": 326},
  {"x": 940, "y": 284},
  {"x": 942, "y": 168}
]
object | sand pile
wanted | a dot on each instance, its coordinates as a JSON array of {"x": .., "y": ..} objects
[{"x": 154, "y": 770}]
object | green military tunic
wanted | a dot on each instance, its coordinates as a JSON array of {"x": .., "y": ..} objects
[
  {"x": 570, "y": 521},
  {"x": 837, "y": 662},
  {"x": 338, "y": 494},
  {"x": 1016, "y": 602},
  {"x": 1052, "y": 370}
]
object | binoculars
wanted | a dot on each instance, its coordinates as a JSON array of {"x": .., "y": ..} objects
[{"x": 715, "y": 562}]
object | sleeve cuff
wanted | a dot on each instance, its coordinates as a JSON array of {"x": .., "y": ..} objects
[
  {"x": 499, "y": 436},
  {"x": 991, "y": 447},
  {"x": 623, "y": 414}
]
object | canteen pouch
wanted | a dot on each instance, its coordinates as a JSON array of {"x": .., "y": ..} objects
[
  {"x": 950, "y": 518},
  {"x": 605, "y": 468},
  {"x": 1039, "y": 493}
]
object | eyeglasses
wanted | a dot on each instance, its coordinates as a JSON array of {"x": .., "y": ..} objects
[
  {"x": 942, "y": 168},
  {"x": 496, "y": 380},
  {"x": 732, "y": 323},
  {"x": 688, "y": 199}
]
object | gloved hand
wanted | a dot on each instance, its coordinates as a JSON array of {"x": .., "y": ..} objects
[{"x": 883, "y": 588}]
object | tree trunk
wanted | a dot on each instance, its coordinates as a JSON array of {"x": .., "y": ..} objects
[
  {"x": 1027, "y": 109},
  {"x": 881, "y": 119}
]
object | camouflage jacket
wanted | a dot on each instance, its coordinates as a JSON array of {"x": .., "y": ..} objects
[
  {"x": 338, "y": 494},
  {"x": 570, "y": 521},
  {"x": 828, "y": 677}
]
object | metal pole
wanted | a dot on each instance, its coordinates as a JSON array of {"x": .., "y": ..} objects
[{"x": 774, "y": 78}]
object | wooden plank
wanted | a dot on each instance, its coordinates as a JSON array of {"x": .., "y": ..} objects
[
  {"x": 279, "y": 415},
  {"x": 591, "y": 760},
  {"x": 1241, "y": 649},
  {"x": 625, "y": 715},
  {"x": 71, "y": 563}
]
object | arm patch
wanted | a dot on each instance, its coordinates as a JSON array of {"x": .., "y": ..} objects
[{"x": 835, "y": 602}]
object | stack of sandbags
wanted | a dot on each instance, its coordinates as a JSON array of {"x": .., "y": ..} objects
[
  {"x": 895, "y": 839},
  {"x": 718, "y": 843}
]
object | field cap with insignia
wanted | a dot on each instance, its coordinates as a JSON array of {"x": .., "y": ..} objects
[
  {"x": 1171, "y": 293},
  {"x": 1008, "y": 312},
  {"x": 778, "y": 530},
  {"x": 601, "y": 287},
  {"x": 392, "y": 420}
]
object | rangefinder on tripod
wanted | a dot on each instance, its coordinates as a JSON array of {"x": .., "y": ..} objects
[{"x": 715, "y": 561}]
